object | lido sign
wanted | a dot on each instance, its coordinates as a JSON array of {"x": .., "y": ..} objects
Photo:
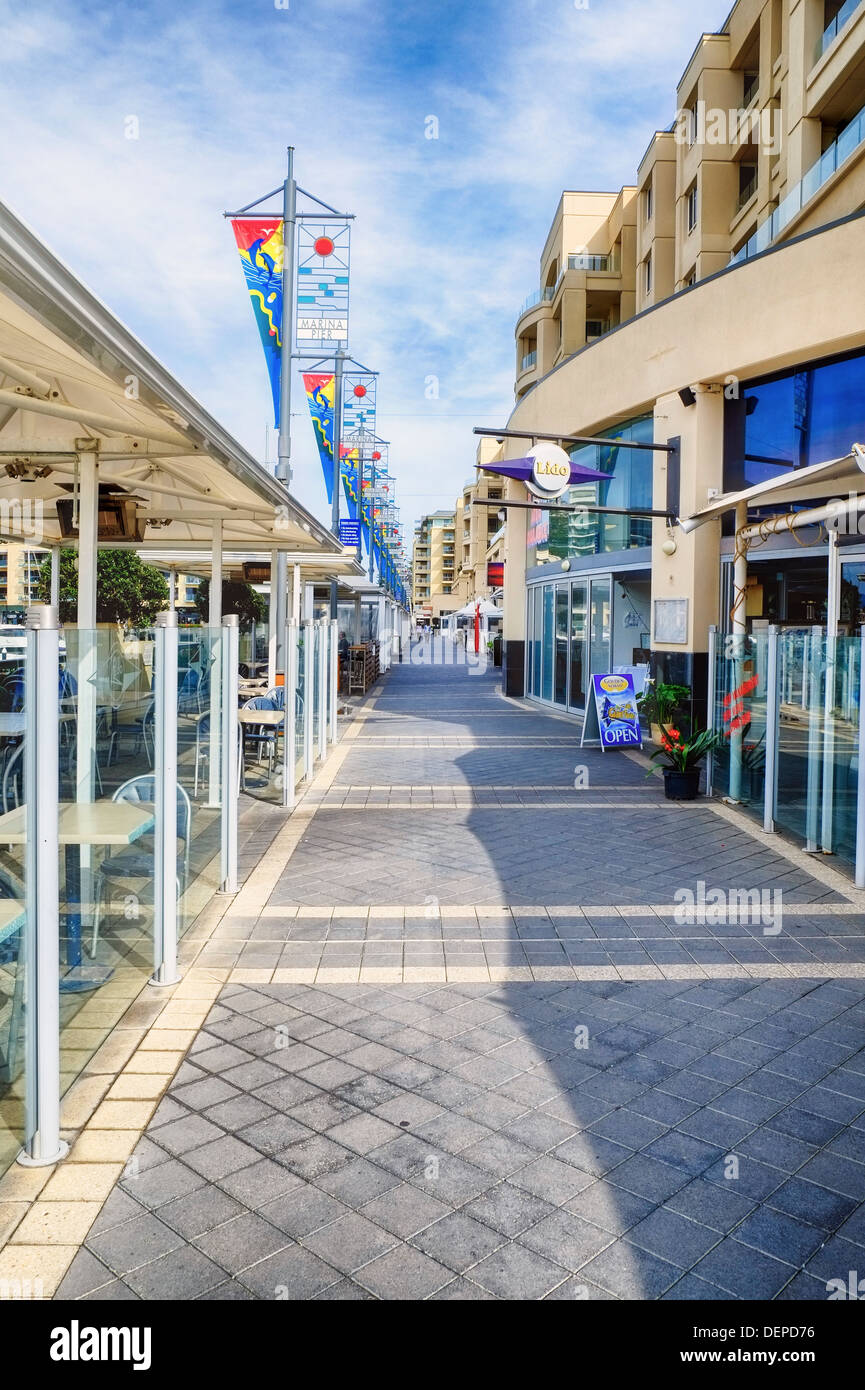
[{"x": 551, "y": 471}]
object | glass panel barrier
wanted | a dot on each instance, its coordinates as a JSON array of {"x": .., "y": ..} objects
[
  {"x": 199, "y": 769},
  {"x": 106, "y": 793},
  {"x": 740, "y": 715},
  {"x": 15, "y": 929}
]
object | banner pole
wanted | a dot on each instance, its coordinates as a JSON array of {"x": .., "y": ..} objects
[
  {"x": 339, "y": 360},
  {"x": 289, "y": 215}
]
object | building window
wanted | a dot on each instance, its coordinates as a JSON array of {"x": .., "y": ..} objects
[
  {"x": 648, "y": 273},
  {"x": 747, "y": 183},
  {"x": 692, "y": 124},
  {"x": 648, "y": 201},
  {"x": 750, "y": 83},
  {"x": 690, "y": 278},
  {"x": 692, "y": 206}
]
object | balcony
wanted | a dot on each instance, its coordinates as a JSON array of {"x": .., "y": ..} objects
[
  {"x": 831, "y": 32},
  {"x": 603, "y": 264},
  {"x": 529, "y": 361},
  {"x": 539, "y": 297},
  {"x": 850, "y": 139}
]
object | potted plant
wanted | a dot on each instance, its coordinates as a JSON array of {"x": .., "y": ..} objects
[
  {"x": 660, "y": 702},
  {"x": 684, "y": 757}
]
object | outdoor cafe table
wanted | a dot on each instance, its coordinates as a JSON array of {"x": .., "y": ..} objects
[
  {"x": 82, "y": 823},
  {"x": 273, "y": 718}
]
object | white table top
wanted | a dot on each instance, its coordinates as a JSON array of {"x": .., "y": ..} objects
[
  {"x": 85, "y": 823},
  {"x": 261, "y": 716}
]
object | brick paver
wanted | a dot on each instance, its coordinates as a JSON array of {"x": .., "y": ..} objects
[{"x": 508, "y": 1070}]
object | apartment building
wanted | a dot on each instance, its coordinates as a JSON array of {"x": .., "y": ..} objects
[
  {"x": 19, "y": 578},
  {"x": 434, "y": 561},
  {"x": 715, "y": 308},
  {"x": 480, "y": 531}
]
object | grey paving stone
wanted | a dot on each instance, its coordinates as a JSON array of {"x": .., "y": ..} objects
[
  {"x": 292, "y": 1273},
  {"x": 673, "y": 1237},
  {"x": 85, "y": 1274},
  {"x": 458, "y": 1241},
  {"x": 303, "y": 1210},
  {"x": 242, "y": 1241},
  {"x": 514, "y": 1272},
  {"x": 627, "y": 1271},
  {"x": 259, "y": 1182},
  {"x": 216, "y": 1160},
  {"x": 156, "y": 1186},
  {"x": 404, "y": 1210},
  {"x": 508, "y": 1209},
  {"x": 742, "y": 1271},
  {"x": 199, "y": 1211},
  {"x": 566, "y": 1239},
  {"x": 403, "y": 1273},
  {"x": 135, "y": 1243},
  {"x": 350, "y": 1242}
]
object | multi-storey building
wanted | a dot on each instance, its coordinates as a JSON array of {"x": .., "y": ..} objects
[
  {"x": 719, "y": 302},
  {"x": 434, "y": 561},
  {"x": 19, "y": 578},
  {"x": 480, "y": 532}
]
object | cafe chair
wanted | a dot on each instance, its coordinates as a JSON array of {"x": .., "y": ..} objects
[
  {"x": 12, "y": 956},
  {"x": 262, "y": 735},
  {"x": 137, "y": 862}
]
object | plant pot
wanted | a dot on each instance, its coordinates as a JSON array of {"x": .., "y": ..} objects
[{"x": 681, "y": 786}]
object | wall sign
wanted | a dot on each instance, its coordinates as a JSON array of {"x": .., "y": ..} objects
[
  {"x": 671, "y": 620},
  {"x": 612, "y": 718},
  {"x": 551, "y": 471}
]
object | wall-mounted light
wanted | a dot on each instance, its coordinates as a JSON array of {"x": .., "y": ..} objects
[
  {"x": 669, "y": 546},
  {"x": 566, "y": 565},
  {"x": 687, "y": 396}
]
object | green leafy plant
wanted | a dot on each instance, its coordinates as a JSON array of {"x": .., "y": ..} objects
[
  {"x": 661, "y": 700},
  {"x": 685, "y": 754},
  {"x": 127, "y": 590},
  {"x": 237, "y": 597}
]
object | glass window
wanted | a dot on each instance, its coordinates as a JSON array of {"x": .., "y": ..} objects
[
  {"x": 560, "y": 687},
  {"x": 599, "y": 651},
  {"x": 577, "y": 689},
  {"x": 806, "y": 416}
]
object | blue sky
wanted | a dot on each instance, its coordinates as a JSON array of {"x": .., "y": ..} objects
[{"x": 531, "y": 97}]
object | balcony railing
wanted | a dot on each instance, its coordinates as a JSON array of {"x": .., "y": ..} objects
[
  {"x": 530, "y": 360},
  {"x": 596, "y": 328},
  {"x": 586, "y": 262},
  {"x": 540, "y": 296},
  {"x": 747, "y": 191},
  {"x": 851, "y": 137},
  {"x": 831, "y": 32}
]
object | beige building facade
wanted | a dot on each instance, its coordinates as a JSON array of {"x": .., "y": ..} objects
[
  {"x": 729, "y": 284},
  {"x": 434, "y": 566}
]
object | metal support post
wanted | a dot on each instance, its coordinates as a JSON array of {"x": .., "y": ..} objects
[
  {"x": 308, "y": 696},
  {"x": 230, "y": 755},
  {"x": 289, "y": 736},
  {"x": 165, "y": 802},
  {"x": 334, "y": 678},
  {"x": 323, "y": 634},
  {"x": 773, "y": 716}
]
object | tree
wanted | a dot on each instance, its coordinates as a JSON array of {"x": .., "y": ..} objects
[
  {"x": 127, "y": 590},
  {"x": 237, "y": 597}
]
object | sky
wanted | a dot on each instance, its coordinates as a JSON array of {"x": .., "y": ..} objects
[{"x": 529, "y": 97}]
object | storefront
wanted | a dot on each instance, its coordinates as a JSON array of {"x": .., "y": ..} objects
[{"x": 588, "y": 577}]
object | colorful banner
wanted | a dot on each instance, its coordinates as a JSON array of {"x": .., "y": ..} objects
[
  {"x": 319, "y": 394},
  {"x": 259, "y": 241},
  {"x": 358, "y": 402},
  {"x": 321, "y": 321}
]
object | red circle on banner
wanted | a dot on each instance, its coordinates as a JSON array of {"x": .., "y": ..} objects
[
  {"x": 376, "y": 457},
  {"x": 360, "y": 392},
  {"x": 323, "y": 246}
]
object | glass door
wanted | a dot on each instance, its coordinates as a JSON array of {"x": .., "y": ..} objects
[
  {"x": 547, "y": 645},
  {"x": 560, "y": 682},
  {"x": 577, "y": 686}
]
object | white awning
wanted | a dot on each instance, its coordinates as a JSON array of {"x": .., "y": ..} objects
[{"x": 834, "y": 478}]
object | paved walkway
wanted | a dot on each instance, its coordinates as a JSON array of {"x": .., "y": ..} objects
[{"x": 466, "y": 1049}]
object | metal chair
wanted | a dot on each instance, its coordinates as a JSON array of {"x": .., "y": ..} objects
[
  {"x": 13, "y": 778},
  {"x": 138, "y": 861},
  {"x": 11, "y": 953},
  {"x": 264, "y": 735}
]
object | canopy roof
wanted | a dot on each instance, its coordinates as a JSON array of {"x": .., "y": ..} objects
[
  {"x": 488, "y": 609},
  {"x": 794, "y": 487},
  {"x": 73, "y": 381}
]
